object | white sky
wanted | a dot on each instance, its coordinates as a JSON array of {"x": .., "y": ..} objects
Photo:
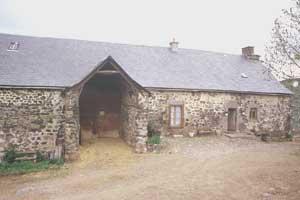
[{"x": 223, "y": 26}]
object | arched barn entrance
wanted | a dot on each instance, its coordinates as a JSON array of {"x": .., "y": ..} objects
[
  {"x": 110, "y": 106},
  {"x": 100, "y": 107}
]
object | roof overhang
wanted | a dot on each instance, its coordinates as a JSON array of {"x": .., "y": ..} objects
[
  {"x": 216, "y": 91},
  {"x": 119, "y": 70},
  {"x": 32, "y": 87}
]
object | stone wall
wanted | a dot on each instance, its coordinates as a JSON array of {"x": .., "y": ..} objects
[
  {"x": 208, "y": 111},
  {"x": 41, "y": 119},
  {"x": 30, "y": 119},
  {"x": 133, "y": 119},
  {"x": 72, "y": 123}
]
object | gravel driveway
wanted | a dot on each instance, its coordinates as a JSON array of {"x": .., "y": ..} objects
[{"x": 187, "y": 168}]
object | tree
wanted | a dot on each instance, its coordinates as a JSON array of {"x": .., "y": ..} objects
[{"x": 283, "y": 52}]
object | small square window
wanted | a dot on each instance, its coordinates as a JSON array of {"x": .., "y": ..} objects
[
  {"x": 176, "y": 116},
  {"x": 13, "y": 46},
  {"x": 253, "y": 113}
]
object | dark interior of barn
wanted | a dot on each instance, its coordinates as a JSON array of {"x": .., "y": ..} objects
[{"x": 100, "y": 106}]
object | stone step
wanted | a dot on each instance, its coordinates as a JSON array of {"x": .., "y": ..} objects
[
  {"x": 240, "y": 136},
  {"x": 178, "y": 136},
  {"x": 296, "y": 138}
]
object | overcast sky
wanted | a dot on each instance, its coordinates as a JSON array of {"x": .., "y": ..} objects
[{"x": 223, "y": 26}]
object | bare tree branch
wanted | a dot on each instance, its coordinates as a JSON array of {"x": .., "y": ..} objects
[{"x": 283, "y": 52}]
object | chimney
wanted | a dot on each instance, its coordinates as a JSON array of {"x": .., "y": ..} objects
[
  {"x": 248, "y": 52},
  {"x": 174, "y": 45}
]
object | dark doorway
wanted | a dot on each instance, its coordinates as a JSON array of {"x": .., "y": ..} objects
[
  {"x": 100, "y": 107},
  {"x": 232, "y": 116}
]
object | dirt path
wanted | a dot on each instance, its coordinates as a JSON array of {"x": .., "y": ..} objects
[{"x": 197, "y": 168}]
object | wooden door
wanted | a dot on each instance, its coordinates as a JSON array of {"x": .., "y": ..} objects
[{"x": 232, "y": 116}]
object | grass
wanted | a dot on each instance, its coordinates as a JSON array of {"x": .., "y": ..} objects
[{"x": 23, "y": 167}]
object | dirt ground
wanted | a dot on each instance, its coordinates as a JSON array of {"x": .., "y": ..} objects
[{"x": 187, "y": 168}]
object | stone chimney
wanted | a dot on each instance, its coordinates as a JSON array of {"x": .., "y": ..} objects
[
  {"x": 248, "y": 52},
  {"x": 174, "y": 45}
]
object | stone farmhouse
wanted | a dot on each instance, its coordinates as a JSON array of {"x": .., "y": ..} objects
[{"x": 63, "y": 92}]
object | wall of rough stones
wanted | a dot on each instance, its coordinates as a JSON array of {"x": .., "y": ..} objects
[
  {"x": 208, "y": 111},
  {"x": 30, "y": 119},
  {"x": 133, "y": 119},
  {"x": 40, "y": 119},
  {"x": 72, "y": 123}
]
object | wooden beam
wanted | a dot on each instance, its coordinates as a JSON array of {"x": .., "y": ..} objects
[{"x": 108, "y": 72}]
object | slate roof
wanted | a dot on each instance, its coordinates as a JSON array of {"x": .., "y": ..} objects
[{"x": 53, "y": 62}]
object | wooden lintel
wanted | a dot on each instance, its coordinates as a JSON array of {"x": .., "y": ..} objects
[{"x": 108, "y": 72}]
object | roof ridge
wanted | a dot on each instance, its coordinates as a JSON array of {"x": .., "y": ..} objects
[{"x": 117, "y": 43}]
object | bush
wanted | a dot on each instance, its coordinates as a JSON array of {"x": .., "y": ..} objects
[
  {"x": 10, "y": 155},
  {"x": 153, "y": 128},
  {"x": 154, "y": 139},
  {"x": 289, "y": 136}
]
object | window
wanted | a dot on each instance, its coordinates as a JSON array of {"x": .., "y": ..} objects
[
  {"x": 13, "y": 46},
  {"x": 253, "y": 114},
  {"x": 176, "y": 116}
]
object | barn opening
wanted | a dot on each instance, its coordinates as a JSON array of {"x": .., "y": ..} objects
[{"x": 100, "y": 105}]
